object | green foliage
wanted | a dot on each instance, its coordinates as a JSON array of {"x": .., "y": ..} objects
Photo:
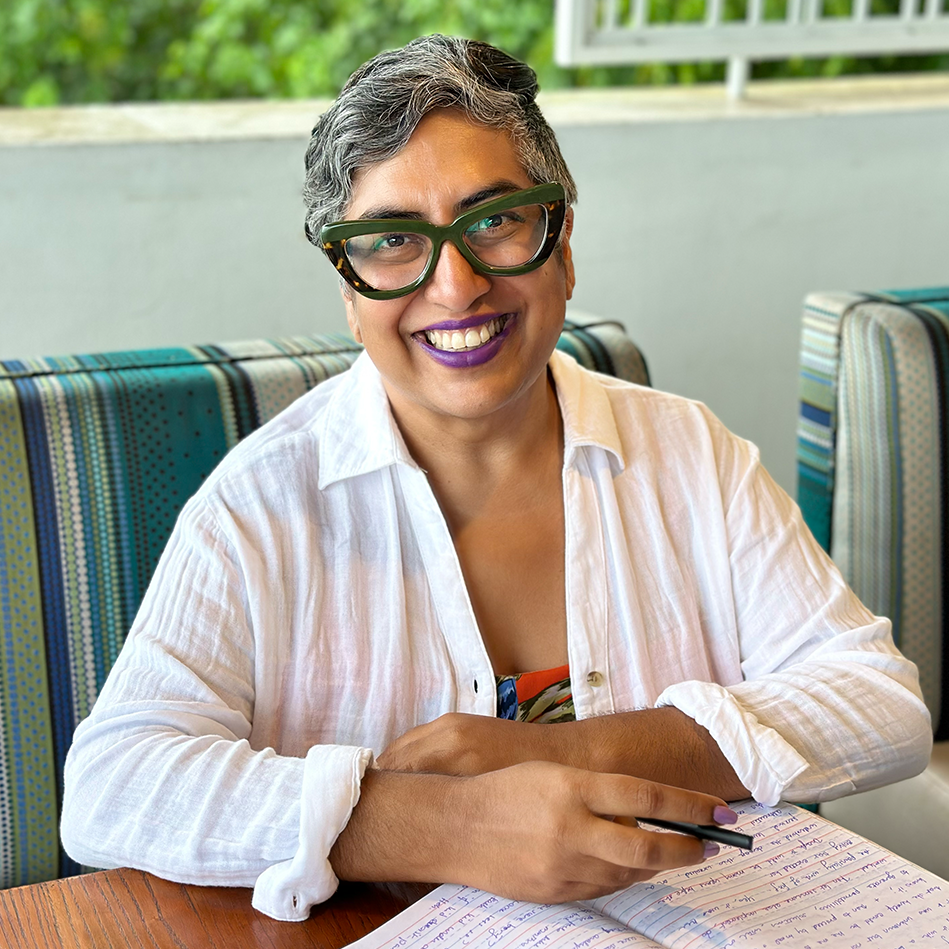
[
  {"x": 66, "y": 51},
  {"x": 85, "y": 50},
  {"x": 297, "y": 48}
]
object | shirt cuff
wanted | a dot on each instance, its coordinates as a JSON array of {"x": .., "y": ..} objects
[
  {"x": 764, "y": 761},
  {"x": 332, "y": 779}
]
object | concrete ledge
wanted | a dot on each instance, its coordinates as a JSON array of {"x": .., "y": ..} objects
[
  {"x": 281, "y": 119},
  {"x": 166, "y": 122},
  {"x": 857, "y": 94}
]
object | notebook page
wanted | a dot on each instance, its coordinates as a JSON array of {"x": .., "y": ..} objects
[
  {"x": 454, "y": 916},
  {"x": 808, "y": 884}
]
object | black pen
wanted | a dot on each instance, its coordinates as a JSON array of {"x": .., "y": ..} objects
[{"x": 704, "y": 832}]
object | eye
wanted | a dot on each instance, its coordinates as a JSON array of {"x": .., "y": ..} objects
[
  {"x": 387, "y": 247},
  {"x": 486, "y": 223},
  {"x": 493, "y": 227},
  {"x": 389, "y": 242}
]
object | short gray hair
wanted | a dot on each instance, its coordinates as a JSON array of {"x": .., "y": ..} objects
[{"x": 384, "y": 100}]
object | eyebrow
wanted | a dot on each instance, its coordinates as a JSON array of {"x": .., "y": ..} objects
[
  {"x": 393, "y": 213},
  {"x": 486, "y": 194}
]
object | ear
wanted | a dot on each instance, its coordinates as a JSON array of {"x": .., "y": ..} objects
[
  {"x": 349, "y": 302},
  {"x": 567, "y": 254}
]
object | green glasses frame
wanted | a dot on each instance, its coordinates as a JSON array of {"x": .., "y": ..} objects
[{"x": 551, "y": 196}]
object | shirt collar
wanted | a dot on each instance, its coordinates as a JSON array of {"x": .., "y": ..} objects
[
  {"x": 359, "y": 434},
  {"x": 585, "y": 408}
]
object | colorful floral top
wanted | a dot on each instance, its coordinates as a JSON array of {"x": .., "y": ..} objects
[{"x": 536, "y": 696}]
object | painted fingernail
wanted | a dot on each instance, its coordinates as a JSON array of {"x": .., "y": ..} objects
[
  {"x": 724, "y": 815},
  {"x": 711, "y": 849}
]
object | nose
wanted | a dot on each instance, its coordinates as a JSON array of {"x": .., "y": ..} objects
[{"x": 455, "y": 284}]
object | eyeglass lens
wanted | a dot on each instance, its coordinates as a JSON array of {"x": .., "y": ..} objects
[{"x": 391, "y": 260}]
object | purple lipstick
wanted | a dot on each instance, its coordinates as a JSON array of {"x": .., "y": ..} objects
[{"x": 464, "y": 359}]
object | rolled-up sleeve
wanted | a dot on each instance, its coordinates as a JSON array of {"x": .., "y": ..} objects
[
  {"x": 827, "y": 705},
  {"x": 162, "y": 776}
]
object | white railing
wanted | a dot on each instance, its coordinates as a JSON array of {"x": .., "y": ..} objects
[{"x": 620, "y": 32}]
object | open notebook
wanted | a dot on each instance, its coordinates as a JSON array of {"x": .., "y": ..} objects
[{"x": 808, "y": 884}]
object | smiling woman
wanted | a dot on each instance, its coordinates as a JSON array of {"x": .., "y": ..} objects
[
  {"x": 454, "y": 295},
  {"x": 323, "y": 680}
]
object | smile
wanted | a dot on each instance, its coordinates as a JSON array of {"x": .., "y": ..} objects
[
  {"x": 477, "y": 343},
  {"x": 461, "y": 341}
]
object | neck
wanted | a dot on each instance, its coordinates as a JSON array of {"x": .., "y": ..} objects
[{"x": 471, "y": 461}]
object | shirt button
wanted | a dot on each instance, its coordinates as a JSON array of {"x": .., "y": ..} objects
[{"x": 595, "y": 678}]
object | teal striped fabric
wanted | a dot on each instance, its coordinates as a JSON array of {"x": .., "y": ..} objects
[
  {"x": 873, "y": 461},
  {"x": 604, "y": 346},
  {"x": 98, "y": 453}
]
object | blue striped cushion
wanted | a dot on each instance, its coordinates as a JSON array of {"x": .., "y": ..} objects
[
  {"x": 873, "y": 458},
  {"x": 97, "y": 455}
]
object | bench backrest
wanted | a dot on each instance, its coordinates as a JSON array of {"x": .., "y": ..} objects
[{"x": 873, "y": 461}]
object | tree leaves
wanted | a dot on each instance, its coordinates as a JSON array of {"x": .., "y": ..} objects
[{"x": 74, "y": 51}]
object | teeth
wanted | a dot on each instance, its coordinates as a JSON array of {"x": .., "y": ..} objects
[{"x": 456, "y": 340}]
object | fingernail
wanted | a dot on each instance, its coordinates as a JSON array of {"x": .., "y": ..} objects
[
  {"x": 724, "y": 815},
  {"x": 711, "y": 849}
]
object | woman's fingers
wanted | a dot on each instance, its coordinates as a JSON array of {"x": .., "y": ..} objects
[
  {"x": 463, "y": 744},
  {"x": 618, "y": 795},
  {"x": 622, "y": 842},
  {"x": 548, "y": 835},
  {"x": 639, "y": 848}
]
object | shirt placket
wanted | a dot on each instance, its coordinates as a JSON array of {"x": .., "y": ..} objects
[
  {"x": 456, "y": 618},
  {"x": 586, "y": 590}
]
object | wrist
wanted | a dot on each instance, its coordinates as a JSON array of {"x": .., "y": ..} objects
[
  {"x": 406, "y": 827},
  {"x": 570, "y": 744}
]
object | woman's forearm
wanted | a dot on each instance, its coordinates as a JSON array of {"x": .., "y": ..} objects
[{"x": 661, "y": 744}]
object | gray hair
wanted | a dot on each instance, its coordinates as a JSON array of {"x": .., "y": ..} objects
[{"x": 383, "y": 101}]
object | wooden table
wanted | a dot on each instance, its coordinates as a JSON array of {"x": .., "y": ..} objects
[{"x": 113, "y": 909}]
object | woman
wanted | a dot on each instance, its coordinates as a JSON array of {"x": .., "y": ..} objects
[{"x": 309, "y": 690}]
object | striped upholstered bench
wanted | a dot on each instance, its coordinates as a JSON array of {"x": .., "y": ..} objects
[
  {"x": 873, "y": 483},
  {"x": 97, "y": 456}
]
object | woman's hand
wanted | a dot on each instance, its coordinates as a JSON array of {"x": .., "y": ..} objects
[
  {"x": 547, "y": 833},
  {"x": 536, "y": 831},
  {"x": 462, "y": 744}
]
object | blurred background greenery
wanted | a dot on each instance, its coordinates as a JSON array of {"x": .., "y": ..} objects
[{"x": 79, "y": 51}]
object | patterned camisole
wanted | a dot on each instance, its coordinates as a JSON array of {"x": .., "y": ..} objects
[{"x": 536, "y": 696}]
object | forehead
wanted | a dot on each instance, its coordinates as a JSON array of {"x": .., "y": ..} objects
[{"x": 447, "y": 159}]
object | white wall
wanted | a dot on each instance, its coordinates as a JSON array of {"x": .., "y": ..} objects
[{"x": 700, "y": 226}]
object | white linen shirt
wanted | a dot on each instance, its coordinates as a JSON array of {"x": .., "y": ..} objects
[{"x": 310, "y": 608}]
